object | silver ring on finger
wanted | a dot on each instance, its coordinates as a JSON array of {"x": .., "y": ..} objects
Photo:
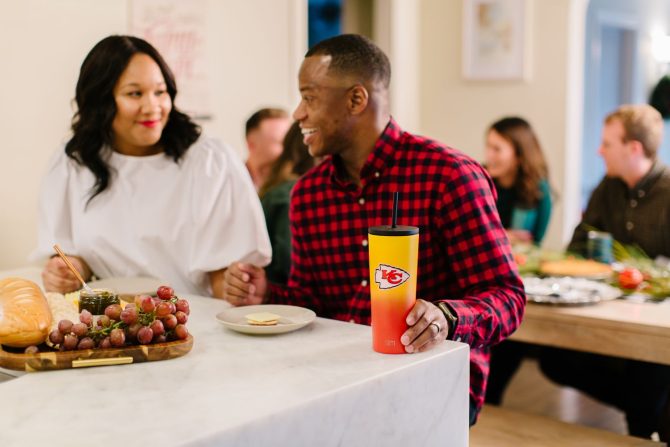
[{"x": 438, "y": 329}]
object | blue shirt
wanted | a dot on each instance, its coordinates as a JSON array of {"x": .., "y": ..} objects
[{"x": 514, "y": 216}]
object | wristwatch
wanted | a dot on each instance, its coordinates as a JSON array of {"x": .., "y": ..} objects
[{"x": 452, "y": 320}]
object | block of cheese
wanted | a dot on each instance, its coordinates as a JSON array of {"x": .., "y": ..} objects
[
  {"x": 24, "y": 313},
  {"x": 62, "y": 308}
]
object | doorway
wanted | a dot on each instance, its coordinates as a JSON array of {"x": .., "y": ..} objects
[{"x": 610, "y": 79}]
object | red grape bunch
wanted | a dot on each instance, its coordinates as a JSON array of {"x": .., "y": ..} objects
[{"x": 146, "y": 320}]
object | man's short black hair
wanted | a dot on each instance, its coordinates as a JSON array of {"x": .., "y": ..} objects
[
  {"x": 255, "y": 120},
  {"x": 356, "y": 55}
]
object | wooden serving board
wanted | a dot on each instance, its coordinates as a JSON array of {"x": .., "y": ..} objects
[{"x": 45, "y": 361}]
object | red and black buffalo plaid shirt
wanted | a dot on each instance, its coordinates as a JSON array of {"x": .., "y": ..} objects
[{"x": 464, "y": 256}]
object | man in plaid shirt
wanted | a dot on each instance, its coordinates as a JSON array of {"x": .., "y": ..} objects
[{"x": 465, "y": 260}]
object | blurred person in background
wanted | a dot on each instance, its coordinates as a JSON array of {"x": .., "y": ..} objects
[
  {"x": 137, "y": 190},
  {"x": 265, "y": 131},
  {"x": 632, "y": 203},
  {"x": 515, "y": 161},
  {"x": 275, "y": 195}
]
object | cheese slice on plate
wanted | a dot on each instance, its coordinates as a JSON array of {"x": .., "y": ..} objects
[{"x": 262, "y": 319}]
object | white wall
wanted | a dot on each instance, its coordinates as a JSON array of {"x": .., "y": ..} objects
[
  {"x": 255, "y": 50},
  {"x": 397, "y": 32},
  {"x": 644, "y": 18},
  {"x": 458, "y": 111}
]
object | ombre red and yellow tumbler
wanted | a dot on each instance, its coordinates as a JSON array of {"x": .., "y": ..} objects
[{"x": 393, "y": 253}]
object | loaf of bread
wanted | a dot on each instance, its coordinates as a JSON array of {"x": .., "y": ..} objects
[{"x": 24, "y": 313}]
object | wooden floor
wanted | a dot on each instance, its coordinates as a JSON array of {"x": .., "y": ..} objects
[
  {"x": 531, "y": 392},
  {"x": 502, "y": 427}
]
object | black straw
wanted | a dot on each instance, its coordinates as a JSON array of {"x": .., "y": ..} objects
[{"x": 395, "y": 209}]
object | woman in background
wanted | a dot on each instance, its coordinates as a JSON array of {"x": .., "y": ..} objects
[
  {"x": 275, "y": 194},
  {"x": 137, "y": 191},
  {"x": 515, "y": 161}
]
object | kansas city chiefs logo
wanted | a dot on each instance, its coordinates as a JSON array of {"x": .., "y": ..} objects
[{"x": 389, "y": 277}]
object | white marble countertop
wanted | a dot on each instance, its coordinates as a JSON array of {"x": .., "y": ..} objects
[{"x": 319, "y": 386}]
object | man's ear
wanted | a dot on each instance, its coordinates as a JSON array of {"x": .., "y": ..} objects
[
  {"x": 636, "y": 147},
  {"x": 358, "y": 99},
  {"x": 251, "y": 142}
]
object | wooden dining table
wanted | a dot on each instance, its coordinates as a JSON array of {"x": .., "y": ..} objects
[{"x": 621, "y": 328}]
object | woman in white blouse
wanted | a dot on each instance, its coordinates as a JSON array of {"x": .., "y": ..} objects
[{"x": 137, "y": 191}]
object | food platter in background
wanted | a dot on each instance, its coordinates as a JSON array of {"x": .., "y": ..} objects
[
  {"x": 577, "y": 268},
  {"x": 634, "y": 273},
  {"x": 533, "y": 260},
  {"x": 568, "y": 290}
]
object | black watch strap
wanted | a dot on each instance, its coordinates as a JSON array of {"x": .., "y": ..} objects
[{"x": 452, "y": 320}]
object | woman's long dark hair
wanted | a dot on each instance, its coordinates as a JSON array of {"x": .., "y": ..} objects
[
  {"x": 96, "y": 107},
  {"x": 532, "y": 165}
]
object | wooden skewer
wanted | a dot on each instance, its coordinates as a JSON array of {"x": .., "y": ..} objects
[{"x": 73, "y": 268}]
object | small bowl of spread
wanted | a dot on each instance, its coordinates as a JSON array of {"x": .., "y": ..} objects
[{"x": 97, "y": 302}]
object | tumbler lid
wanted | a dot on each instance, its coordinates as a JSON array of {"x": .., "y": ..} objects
[{"x": 388, "y": 230}]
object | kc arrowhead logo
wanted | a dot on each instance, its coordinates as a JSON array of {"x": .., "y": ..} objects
[{"x": 389, "y": 277}]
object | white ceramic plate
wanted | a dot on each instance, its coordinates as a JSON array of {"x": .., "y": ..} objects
[
  {"x": 568, "y": 290},
  {"x": 129, "y": 286},
  {"x": 291, "y": 318}
]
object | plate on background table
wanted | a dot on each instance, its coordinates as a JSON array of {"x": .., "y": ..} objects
[
  {"x": 291, "y": 318},
  {"x": 568, "y": 291},
  {"x": 128, "y": 287}
]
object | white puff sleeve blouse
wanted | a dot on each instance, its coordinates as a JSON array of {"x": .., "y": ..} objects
[{"x": 158, "y": 218}]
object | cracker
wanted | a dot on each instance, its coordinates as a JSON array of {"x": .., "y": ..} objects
[{"x": 262, "y": 319}]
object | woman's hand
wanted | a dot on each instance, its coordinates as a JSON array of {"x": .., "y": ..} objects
[{"x": 57, "y": 277}]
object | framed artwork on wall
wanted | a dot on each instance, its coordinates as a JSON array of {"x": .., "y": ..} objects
[
  {"x": 177, "y": 29},
  {"x": 496, "y": 39}
]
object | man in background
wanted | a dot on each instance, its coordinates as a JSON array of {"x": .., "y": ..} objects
[
  {"x": 265, "y": 131},
  {"x": 632, "y": 203}
]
